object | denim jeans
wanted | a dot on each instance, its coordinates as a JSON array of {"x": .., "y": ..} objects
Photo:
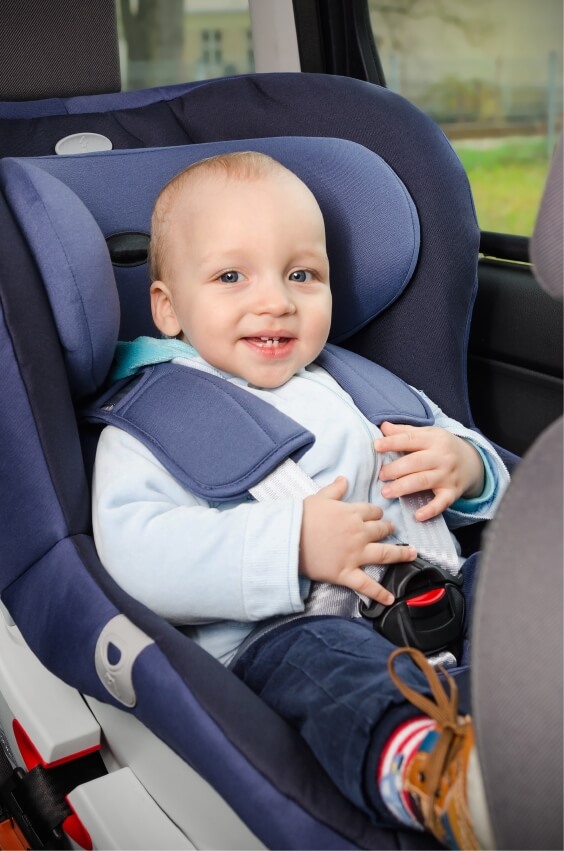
[{"x": 328, "y": 677}]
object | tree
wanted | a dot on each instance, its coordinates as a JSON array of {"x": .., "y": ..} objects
[{"x": 392, "y": 16}]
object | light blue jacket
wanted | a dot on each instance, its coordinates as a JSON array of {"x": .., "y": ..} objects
[{"x": 221, "y": 568}]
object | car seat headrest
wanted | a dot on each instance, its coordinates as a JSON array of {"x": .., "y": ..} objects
[
  {"x": 73, "y": 259},
  {"x": 372, "y": 226},
  {"x": 546, "y": 249},
  {"x": 46, "y": 51}
]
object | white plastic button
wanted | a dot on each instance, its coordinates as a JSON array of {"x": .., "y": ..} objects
[{"x": 83, "y": 143}]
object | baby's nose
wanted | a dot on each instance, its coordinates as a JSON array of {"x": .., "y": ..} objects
[{"x": 274, "y": 297}]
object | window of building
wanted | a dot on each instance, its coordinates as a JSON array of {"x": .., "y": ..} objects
[
  {"x": 212, "y": 53},
  {"x": 490, "y": 74}
]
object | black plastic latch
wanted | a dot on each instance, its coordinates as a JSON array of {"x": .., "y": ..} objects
[{"x": 428, "y": 610}]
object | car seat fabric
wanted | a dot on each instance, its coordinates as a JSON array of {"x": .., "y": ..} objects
[
  {"x": 126, "y": 129},
  {"x": 186, "y": 697},
  {"x": 89, "y": 105},
  {"x": 135, "y": 119},
  {"x": 74, "y": 262}
]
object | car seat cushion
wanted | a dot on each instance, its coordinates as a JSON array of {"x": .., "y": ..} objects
[{"x": 73, "y": 259}]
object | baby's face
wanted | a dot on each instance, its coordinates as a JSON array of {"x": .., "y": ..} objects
[{"x": 247, "y": 276}]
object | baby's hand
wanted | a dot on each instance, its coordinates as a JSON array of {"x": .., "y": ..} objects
[
  {"x": 435, "y": 460},
  {"x": 338, "y": 538}
]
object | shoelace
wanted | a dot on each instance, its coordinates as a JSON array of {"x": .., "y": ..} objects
[{"x": 443, "y": 710}]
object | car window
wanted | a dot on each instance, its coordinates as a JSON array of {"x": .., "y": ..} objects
[
  {"x": 490, "y": 73},
  {"x": 182, "y": 40}
]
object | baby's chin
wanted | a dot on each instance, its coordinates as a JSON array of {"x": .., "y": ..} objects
[
  {"x": 258, "y": 384},
  {"x": 268, "y": 379}
]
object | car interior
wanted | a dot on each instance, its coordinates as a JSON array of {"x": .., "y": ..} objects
[{"x": 118, "y": 730}]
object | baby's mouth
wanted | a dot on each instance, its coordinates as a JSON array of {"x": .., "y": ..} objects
[
  {"x": 268, "y": 341},
  {"x": 275, "y": 346}
]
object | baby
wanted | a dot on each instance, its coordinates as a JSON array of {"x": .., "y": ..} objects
[{"x": 241, "y": 290}]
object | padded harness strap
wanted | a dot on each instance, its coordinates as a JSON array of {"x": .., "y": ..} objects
[
  {"x": 218, "y": 440},
  {"x": 215, "y": 438}
]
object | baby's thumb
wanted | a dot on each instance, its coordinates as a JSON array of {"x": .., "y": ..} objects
[
  {"x": 388, "y": 428},
  {"x": 336, "y": 490}
]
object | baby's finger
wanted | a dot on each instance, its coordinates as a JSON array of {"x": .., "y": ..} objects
[
  {"x": 440, "y": 502},
  {"x": 369, "y": 512},
  {"x": 388, "y": 428},
  {"x": 414, "y": 462},
  {"x": 360, "y": 582},
  {"x": 377, "y": 530},
  {"x": 335, "y": 490},
  {"x": 388, "y": 553},
  {"x": 414, "y": 483},
  {"x": 401, "y": 438}
]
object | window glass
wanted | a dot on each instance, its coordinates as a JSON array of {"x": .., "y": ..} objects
[
  {"x": 489, "y": 73},
  {"x": 177, "y": 41}
]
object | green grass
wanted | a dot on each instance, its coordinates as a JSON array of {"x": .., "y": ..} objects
[{"x": 507, "y": 178}]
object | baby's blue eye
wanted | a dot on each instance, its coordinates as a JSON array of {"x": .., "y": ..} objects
[
  {"x": 301, "y": 276},
  {"x": 230, "y": 277}
]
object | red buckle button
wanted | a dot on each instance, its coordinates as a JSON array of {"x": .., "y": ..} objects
[{"x": 428, "y": 598}]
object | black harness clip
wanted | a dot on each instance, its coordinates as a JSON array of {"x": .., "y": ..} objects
[{"x": 428, "y": 610}]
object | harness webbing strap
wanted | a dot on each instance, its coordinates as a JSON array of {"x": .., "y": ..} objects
[
  {"x": 287, "y": 481},
  {"x": 37, "y": 799},
  {"x": 430, "y": 538}
]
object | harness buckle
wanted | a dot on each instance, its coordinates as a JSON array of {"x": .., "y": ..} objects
[{"x": 428, "y": 610}]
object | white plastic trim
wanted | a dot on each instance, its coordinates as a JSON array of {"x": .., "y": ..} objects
[
  {"x": 119, "y": 813},
  {"x": 126, "y": 641},
  {"x": 188, "y": 800},
  {"x": 53, "y": 714}
]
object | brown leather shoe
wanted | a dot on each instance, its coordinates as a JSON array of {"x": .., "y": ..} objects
[{"x": 437, "y": 776}]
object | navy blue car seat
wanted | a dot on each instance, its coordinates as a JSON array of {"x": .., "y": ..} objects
[
  {"x": 403, "y": 246},
  {"x": 266, "y": 105}
]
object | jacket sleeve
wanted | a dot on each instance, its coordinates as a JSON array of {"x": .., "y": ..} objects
[
  {"x": 496, "y": 475},
  {"x": 191, "y": 562}
]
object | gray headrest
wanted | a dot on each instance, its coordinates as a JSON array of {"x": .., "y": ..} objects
[
  {"x": 545, "y": 249},
  {"x": 58, "y": 49},
  {"x": 517, "y": 654}
]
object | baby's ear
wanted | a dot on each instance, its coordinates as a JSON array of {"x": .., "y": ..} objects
[{"x": 162, "y": 308}]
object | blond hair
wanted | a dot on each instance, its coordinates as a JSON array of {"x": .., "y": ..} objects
[{"x": 239, "y": 165}]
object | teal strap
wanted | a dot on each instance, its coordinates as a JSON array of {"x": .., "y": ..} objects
[{"x": 130, "y": 357}]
